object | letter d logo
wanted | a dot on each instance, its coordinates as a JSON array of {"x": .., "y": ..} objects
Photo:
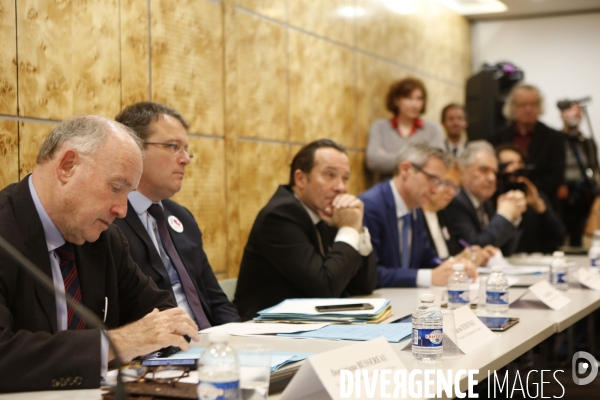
[{"x": 590, "y": 365}]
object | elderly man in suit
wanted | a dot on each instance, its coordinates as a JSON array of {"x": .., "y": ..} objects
[
  {"x": 473, "y": 217},
  {"x": 308, "y": 241},
  {"x": 404, "y": 253},
  {"x": 60, "y": 218},
  {"x": 164, "y": 238}
]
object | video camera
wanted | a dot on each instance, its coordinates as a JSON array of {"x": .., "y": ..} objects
[{"x": 566, "y": 103}]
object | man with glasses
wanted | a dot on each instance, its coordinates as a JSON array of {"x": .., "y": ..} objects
[
  {"x": 403, "y": 251},
  {"x": 473, "y": 219},
  {"x": 164, "y": 238}
]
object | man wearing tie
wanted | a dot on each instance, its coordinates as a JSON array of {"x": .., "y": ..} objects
[
  {"x": 404, "y": 254},
  {"x": 472, "y": 216},
  {"x": 454, "y": 121},
  {"x": 164, "y": 238},
  {"x": 308, "y": 241}
]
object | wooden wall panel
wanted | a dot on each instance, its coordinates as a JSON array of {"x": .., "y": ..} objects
[
  {"x": 262, "y": 78},
  {"x": 325, "y": 18},
  {"x": 203, "y": 193},
  {"x": 31, "y": 137},
  {"x": 134, "y": 52},
  {"x": 187, "y": 61},
  {"x": 322, "y": 97},
  {"x": 8, "y": 60},
  {"x": 9, "y": 152},
  {"x": 386, "y": 33},
  {"x": 374, "y": 80},
  {"x": 59, "y": 76},
  {"x": 276, "y": 9},
  {"x": 359, "y": 177},
  {"x": 263, "y": 167}
]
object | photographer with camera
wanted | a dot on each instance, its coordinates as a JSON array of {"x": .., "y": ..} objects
[
  {"x": 542, "y": 230},
  {"x": 580, "y": 189}
]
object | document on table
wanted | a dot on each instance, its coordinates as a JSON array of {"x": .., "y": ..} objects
[
  {"x": 307, "y": 307},
  {"x": 549, "y": 295},
  {"x": 589, "y": 277},
  {"x": 393, "y": 333},
  {"x": 510, "y": 269},
  {"x": 249, "y": 329}
]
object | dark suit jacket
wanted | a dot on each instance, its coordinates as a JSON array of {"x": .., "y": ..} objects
[
  {"x": 188, "y": 243},
  {"x": 33, "y": 352},
  {"x": 547, "y": 153},
  {"x": 453, "y": 247},
  {"x": 543, "y": 233},
  {"x": 282, "y": 260},
  {"x": 381, "y": 220},
  {"x": 464, "y": 224}
]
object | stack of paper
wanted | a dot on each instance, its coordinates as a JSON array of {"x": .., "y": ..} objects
[
  {"x": 304, "y": 311},
  {"x": 393, "y": 333}
]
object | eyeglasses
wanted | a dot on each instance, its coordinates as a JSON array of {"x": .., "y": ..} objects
[
  {"x": 433, "y": 180},
  {"x": 175, "y": 148},
  {"x": 167, "y": 374}
]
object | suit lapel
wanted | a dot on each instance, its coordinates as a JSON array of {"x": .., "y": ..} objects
[
  {"x": 391, "y": 216},
  {"x": 462, "y": 197},
  {"x": 36, "y": 248}
]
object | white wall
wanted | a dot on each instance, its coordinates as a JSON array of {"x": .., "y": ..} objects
[{"x": 560, "y": 55}]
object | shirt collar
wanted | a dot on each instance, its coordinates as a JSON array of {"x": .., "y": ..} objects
[
  {"x": 418, "y": 124},
  {"x": 140, "y": 203},
  {"x": 461, "y": 143},
  {"x": 313, "y": 215},
  {"x": 401, "y": 209},
  {"x": 54, "y": 239},
  {"x": 473, "y": 199}
]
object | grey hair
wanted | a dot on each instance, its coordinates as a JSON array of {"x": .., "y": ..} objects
[
  {"x": 508, "y": 108},
  {"x": 467, "y": 157},
  {"x": 85, "y": 133},
  {"x": 418, "y": 153}
]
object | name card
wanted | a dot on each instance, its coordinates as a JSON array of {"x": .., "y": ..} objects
[
  {"x": 319, "y": 376},
  {"x": 589, "y": 277},
  {"x": 471, "y": 333},
  {"x": 549, "y": 295}
]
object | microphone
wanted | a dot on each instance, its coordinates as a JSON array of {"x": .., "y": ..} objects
[{"x": 80, "y": 309}]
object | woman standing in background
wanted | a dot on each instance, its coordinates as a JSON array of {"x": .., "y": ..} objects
[{"x": 406, "y": 99}]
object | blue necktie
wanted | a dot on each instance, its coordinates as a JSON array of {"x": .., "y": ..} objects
[
  {"x": 406, "y": 222},
  {"x": 68, "y": 269}
]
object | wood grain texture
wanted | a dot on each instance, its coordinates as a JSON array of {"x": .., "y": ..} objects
[
  {"x": 203, "y": 193},
  {"x": 387, "y": 33},
  {"x": 325, "y": 18},
  {"x": 276, "y": 9},
  {"x": 360, "y": 178},
  {"x": 9, "y": 152},
  {"x": 322, "y": 97},
  {"x": 375, "y": 77},
  {"x": 8, "y": 60},
  {"x": 31, "y": 137},
  {"x": 262, "y": 78},
  {"x": 187, "y": 61},
  {"x": 134, "y": 52},
  {"x": 59, "y": 76},
  {"x": 263, "y": 167}
]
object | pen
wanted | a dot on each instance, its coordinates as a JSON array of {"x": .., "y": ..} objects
[
  {"x": 437, "y": 260},
  {"x": 464, "y": 243},
  {"x": 105, "y": 308}
]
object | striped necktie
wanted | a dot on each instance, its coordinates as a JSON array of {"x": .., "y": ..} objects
[{"x": 68, "y": 269}]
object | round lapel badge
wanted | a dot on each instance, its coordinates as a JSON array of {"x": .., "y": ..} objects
[{"x": 175, "y": 224}]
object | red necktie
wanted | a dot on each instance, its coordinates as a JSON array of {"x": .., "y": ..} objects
[{"x": 68, "y": 269}]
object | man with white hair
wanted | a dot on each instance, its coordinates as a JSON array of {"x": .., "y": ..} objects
[
  {"x": 472, "y": 216},
  {"x": 543, "y": 145},
  {"x": 60, "y": 218}
]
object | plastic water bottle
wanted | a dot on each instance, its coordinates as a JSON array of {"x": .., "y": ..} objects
[
  {"x": 559, "y": 271},
  {"x": 458, "y": 288},
  {"x": 427, "y": 330},
  {"x": 594, "y": 253},
  {"x": 496, "y": 292},
  {"x": 218, "y": 370}
]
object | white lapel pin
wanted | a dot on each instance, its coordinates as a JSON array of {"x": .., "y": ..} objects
[{"x": 175, "y": 224}]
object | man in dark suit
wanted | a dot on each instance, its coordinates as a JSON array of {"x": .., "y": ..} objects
[
  {"x": 308, "y": 241},
  {"x": 544, "y": 146},
  {"x": 403, "y": 250},
  {"x": 164, "y": 238},
  {"x": 472, "y": 215},
  {"x": 59, "y": 217}
]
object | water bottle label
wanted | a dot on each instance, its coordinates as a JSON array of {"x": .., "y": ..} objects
[
  {"x": 562, "y": 278},
  {"x": 496, "y": 297},
  {"x": 458, "y": 296},
  {"x": 595, "y": 262},
  {"x": 427, "y": 337},
  {"x": 219, "y": 390}
]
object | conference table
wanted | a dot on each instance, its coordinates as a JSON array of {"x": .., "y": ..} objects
[{"x": 537, "y": 323}]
